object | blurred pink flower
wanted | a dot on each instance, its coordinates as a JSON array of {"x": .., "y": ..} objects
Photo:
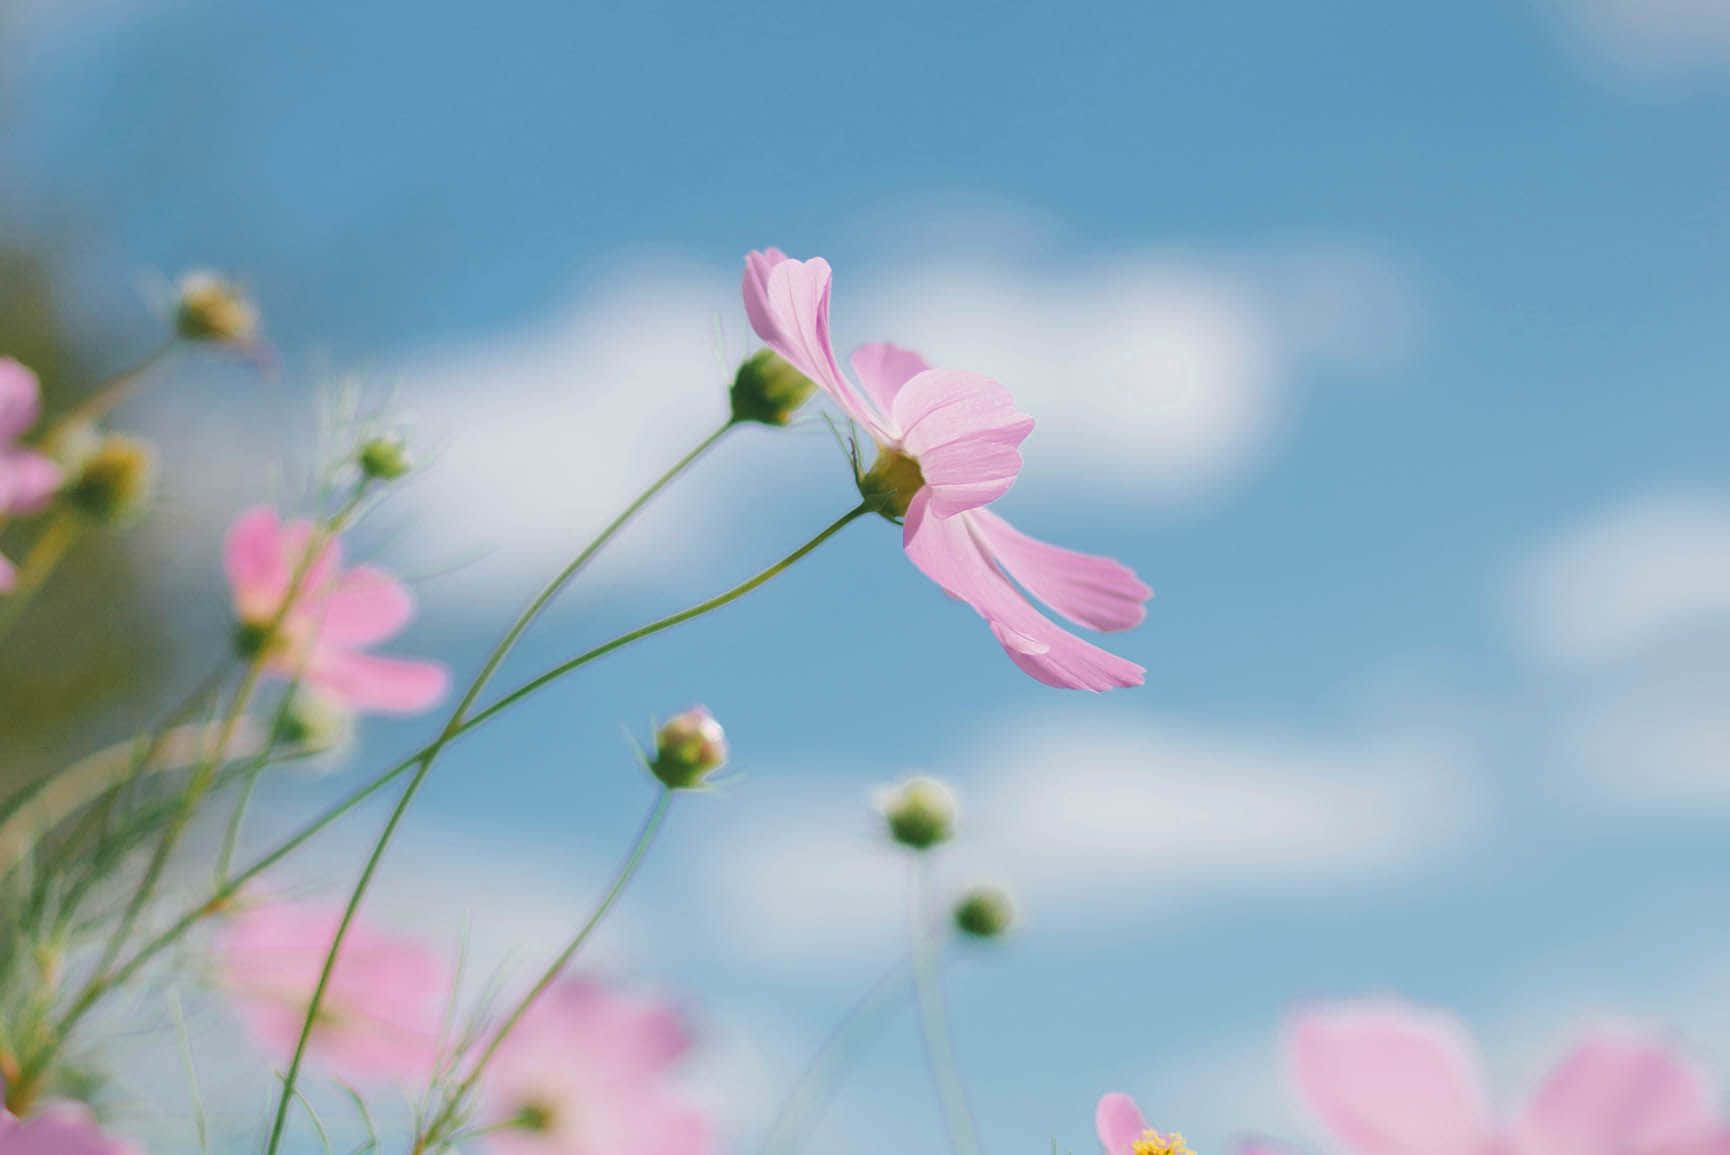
[
  {"x": 28, "y": 479},
  {"x": 952, "y": 439},
  {"x": 381, "y": 1012},
  {"x": 586, "y": 1073},
  {"x": 1388, "y": 1078},
  {"x": 58, "y": 1129},
  {"x": 1122, "y": 1130},
  {"x": 335, "y": 616}
]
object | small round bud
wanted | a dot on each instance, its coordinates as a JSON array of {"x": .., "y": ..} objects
[
  {"x": 688, "y": 748},
  {"x": 313, "y": 724},
  {"x": 920, "y": 813},
  {"x": 384, "y": 459},
  {"x": 115, "y": 481},
  {"x": 984, "y": 912},
  {"x": 768, "y": 390},
  {"x": 213, "y": 309}
]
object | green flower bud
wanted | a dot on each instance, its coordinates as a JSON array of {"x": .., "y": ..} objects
[
  {"x": 889, "y": 485},
  {"x": 920, "y": 813},
  {"x": 984, "y": 912},
  {"x": 384, "y": 459},
  {"x": 767, "y": 389},
  {"x": 688, "y": 748},
  {"x": 115, "y": 481},
  {"x": 313, "y": 725},
  {"x": 213, "y": 309}
]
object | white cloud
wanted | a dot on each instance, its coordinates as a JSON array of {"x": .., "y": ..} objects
[
  {"x": 1627, "y": 578},
  {"x": 1642, "y": 43},
  {"x": 1098, "y": 826},
  {"x": 1663, "y": 745}
]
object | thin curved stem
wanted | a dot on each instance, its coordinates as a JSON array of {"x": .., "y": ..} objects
[
  {"x": 651, "y": 826},
  {"x": 110, "y": 393},
  {"x": 934, "y": 1021},
  {"x": 46, "y": 553}
]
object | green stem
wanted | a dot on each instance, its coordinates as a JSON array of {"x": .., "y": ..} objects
[
  {"x": 108, "y": 395},
  {"x": 434, "y": 1132},
  {"x": 456, "y": 726},
  {"x": 46, "y": 553},
  {"x": 458, "y": 717},
  {"x": 811, "y": 1091},
  {"x": 934, "y": 1021}
]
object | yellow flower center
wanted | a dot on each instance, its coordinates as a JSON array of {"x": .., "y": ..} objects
[{"x": 1153, "y": 1143}]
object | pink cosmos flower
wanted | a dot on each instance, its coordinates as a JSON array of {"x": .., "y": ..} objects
[
  {"x": 948, "y": 445},
  {"x": 586, "y": 1073},
  {"x": 336, "y": 614},
  {"x": 1388, "y": 1078},
  {"x": 28, "y": 479},
  {"x": 58, "y": 1129},
  {"x": 1122, "y": 1130},
  {"x": 381, "y": 1013}
]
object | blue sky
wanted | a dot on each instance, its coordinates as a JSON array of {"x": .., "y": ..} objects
[{"x": 1385, "y": 342}]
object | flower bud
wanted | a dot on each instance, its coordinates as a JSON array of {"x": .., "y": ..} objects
[
  {"x": 313, "y": 724},
  {"x": 384, "y": 459},
  {"x": 889, "y": 485},
  {"x": 115, "y": 481},
  {"x": 984, "y": 912},
  {"x": 688, "y": 748},
  {"x": 767, "y": 389},
  {"x": 213, "y": 309},
  {"x": 920, "y": 813}
]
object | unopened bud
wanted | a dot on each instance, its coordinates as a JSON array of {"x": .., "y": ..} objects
[
  {"x": 384, "y": 459},
  {"x": 889, "y": 486},
  {"x": 313, "y": 724},
  {"x": 984, "y": 912},
  {"x": 114, "y": 482},
  {"x": 688, "y": 748},
  {"x": 213, "y": 309},
  {"x": 767, "y": 389},
  {"x": 920, "y": 812}
]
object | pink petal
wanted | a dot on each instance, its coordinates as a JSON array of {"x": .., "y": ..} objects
[
  {"x": 28, "y": 481},
  {"x": 788, "y": 303},
  {"x": 1617, "y": 1093},
  {"x": 58, "y": 1129},
  {"x": 1089, "y": 590},
  {"x": 947, "y": 551},
  {"x": 363, "y": 607},
  {"x": 366, "y": 682},
  {"x": 965, "y": 432},
  {"x": 1715, "y": 1142},
  {"x": 1119, "y": 1123},
  {"x": 252, "y": 556},
  {"x": 1391, "y": 1079},
  {"x": 20, "y": 400},
  {"x": 883, "y": 368}
]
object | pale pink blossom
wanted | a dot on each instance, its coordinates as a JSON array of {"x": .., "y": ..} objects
[
  {"x": 58, "y": 1129},
  {"x": 1122, "y": 1130},
  {"x": 335, "y": 616},
  {"x": 28, "y": 480},
  {"x": 587, "y": 1072},
  {"x": 1388, "y": 1078},
  {"x": 382, "y": 1010},
  {"x": 962, "y": 433}
]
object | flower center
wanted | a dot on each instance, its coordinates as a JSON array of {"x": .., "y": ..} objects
[
  {"x": 534, "y": 1116},
  {"x": 889, "y": 485},
  {"x": 1153, "y": 1143}
]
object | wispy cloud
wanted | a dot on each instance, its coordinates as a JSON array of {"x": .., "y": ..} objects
[{"x": 1647, "y": 43}]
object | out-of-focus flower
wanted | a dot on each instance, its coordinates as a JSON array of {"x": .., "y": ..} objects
[
  {"x": 313, "y": 724},
  {"x": 920, "y": 812},
  {"x": 381, "y": 1012},
  {"x": 769, "y": 390},
  {"x": 586, "y": 1072},
  {"x": 28, "y": 479},
  {"x": 985, "y": 912},
  {"x": 335, "y": 616},
  {"x": 688, "y": 748},
  {"x": 384, "y": 458},
  {"x": 113, "y": 482},
  {"x": 1122, "y": 1130},
  {"x": 1388, "y": 1078},
  {"x": 211, "y": 308},
  {"x": 948, "y": 445},
  {"x": 58, "y": 1129}
]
